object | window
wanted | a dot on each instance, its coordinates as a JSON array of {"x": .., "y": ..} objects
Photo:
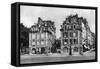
[
  {"x": 45, "y": 24},
  {"x": 71, "y": 41},
  {"x": 71, "y": 27},
  {"x": 38, "y": 42},
  {"x": 75, "y": 41},
  {"x": 74, "y": 26},
  {"x": 77, "y": 27},
  {"x": 71, "y": 34},
  {"x": 32, "y": 29},
  {"x": 66, "y": 41},
  {"x": 42, "y": 42},
  {"x": 33, "y": 36},
  {"x": 42, "y": 35},
  {"x": 75, "y": 34},
  {"x": 75, "y": 49},
  {"x": 65, "y": 27},
  {"x": 46, "y": 43},
  {"x": 38, "y": 36},
  {"x": 74, "y": 20},
  {"x": 65, "y": 34},
  {"x": 33, "y": 43},
  {"x": 46, "y": 35},
  {"x": 33, "y": 40},
  {"x": 36, "y": 29}
]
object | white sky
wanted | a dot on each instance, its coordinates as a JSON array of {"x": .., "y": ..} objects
[{"x": 30, "y": 14}]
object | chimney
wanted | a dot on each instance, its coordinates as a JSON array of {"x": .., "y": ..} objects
[{"x": 39, "y": 19}]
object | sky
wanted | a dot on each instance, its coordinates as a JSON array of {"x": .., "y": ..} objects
[{"x": 29, "y": 16}]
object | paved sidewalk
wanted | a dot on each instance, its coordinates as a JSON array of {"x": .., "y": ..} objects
[
  {"x": 56, "y": 55},
  {"x": 53, "y": 58}
]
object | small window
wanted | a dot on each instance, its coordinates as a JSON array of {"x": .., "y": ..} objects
[
  {"x": 65, "y": 41},
  {"x": 42, "y": 42},
  {"x": 38, "y": 43},
  {"x": 71, "y": 34},
  {"x": 42, "y": 35},
  {"x": 75, "y": 41},
  {"x": 33, "y": 43},
  {"x": 65, "y": 34},
  {"x": 65, "y": 27},
  {"x": 74, "y": 34},
  {"x": 74, "y": 26},
  {"x": 33, "y": 40},
  {"x": 71, "y": 41},
  {"x": 33, "y": 36}
]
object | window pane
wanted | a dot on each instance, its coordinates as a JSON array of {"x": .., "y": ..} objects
[
  {"x": 33, "y": 43},
  {"x": 71, "y": 41},
  {"x": 38, "y": 36},
  {"x": 33, "y": 36},
  {"x": 38, "y": 43},
  {"x": 42, "y": 42},
  {"x": 71, "y": 34},
  {"x": 42, "y": 35},
  {"x": 75, "y": 41},
  {"x": 75, "y": 49},
  {"x": 66, "y": 41}
]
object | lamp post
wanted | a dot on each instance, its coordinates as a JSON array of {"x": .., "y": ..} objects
[{"x": 70, "y": 50}]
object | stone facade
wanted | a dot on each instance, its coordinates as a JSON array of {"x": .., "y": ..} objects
[
  {"x": 71, "y": 35},
  {"x": 42, "y": 37}
]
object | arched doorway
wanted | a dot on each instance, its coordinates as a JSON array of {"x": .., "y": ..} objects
[
  {"x": 65, "y": 49},
  {"x": 33, "y": 51},
  {"x": 42, "y": 50},
  {"x": 75, "y": 49}
]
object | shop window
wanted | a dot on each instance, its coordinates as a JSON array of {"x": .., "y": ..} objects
[
  {"x": 65, "y": 49},
  {"x": 75, "y": 49}
]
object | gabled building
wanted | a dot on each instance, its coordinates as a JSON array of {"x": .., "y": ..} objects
[
  {"x": 71, "y": 35},
  {"x": 88, "y": 37},
  {"x": 76, "y": 34},
  {"x": 42, "y": 36}
]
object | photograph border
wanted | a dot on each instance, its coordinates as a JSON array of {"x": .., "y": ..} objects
[{"x": 18, "y": 4}]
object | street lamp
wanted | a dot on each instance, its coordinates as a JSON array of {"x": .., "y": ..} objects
[{"x": 70, "y": 50}]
